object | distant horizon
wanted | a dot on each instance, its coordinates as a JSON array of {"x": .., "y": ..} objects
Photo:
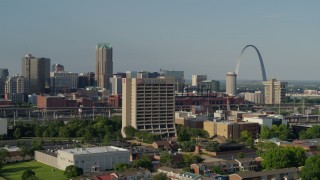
[{"x": 198, "y": 37}]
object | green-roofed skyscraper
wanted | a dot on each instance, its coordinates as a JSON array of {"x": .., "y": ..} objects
[{"x": 104, "y": 65}]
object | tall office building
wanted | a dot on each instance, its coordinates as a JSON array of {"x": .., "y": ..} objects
[
  {"x": 62, "y": 81},
  {"x": 274, "y": 91},
  {"x": 177, "y": 75},
  {"x": 231, "y": 83},
  {"x": 104, "y": 65},
  {"x": 17, "y": 89},
  {"x": 209, "y": 86},
  {"x": 37, "y": 71},
  {"x": 148, "y": 104},
  {"x": 4, "y": 73},
  {"x": 197, "y": 79}
]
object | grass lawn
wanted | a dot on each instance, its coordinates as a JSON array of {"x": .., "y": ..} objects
[{"x": 14, "y": 171}]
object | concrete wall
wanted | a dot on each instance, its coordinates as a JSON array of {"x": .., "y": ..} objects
[
  {"x": 46, "y": 159},
  {"x": 103, "y": 161}
]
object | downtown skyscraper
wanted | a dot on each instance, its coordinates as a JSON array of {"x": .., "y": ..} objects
[
  {"x": 37, "y": 71},
  {"x": 104, "y": 65}
]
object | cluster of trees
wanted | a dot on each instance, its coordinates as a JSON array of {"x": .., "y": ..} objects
[
  {"x": 146, "y": 137},
  {"x": 3, "y": 156},
  {"x": 144, "y": 162},
  {"x": 282, "y": 132},
  {"x": 102, "y": 129},
  {"x": 73, "y": 171},
  {"x": 311, "y": 169},
  {"x": 283, "y": 157},
  {"x": 160, "y": 176},
  {"x": 186, "y": 137},
  {"x": 27, "y": 150},
  {"x": 29, "y": 175},
  {"x": 264, "y": 146},
  {"x": 246, "y": 138},
  {"x": 185, "y": 134},
  {"x": 166, "y": 159},
  {"x": 311, "y": 133}
]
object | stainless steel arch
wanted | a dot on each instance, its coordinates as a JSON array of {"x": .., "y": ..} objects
[{"x": 264, "y": 76}]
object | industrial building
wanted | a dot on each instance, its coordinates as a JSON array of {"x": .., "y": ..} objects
[{"x": 94, "y": 159}]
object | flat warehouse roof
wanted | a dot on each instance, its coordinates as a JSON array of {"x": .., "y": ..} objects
[{"x": 93, "y": 150}]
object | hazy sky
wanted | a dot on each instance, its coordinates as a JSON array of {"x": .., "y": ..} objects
[{"x": 198, "y": 36}]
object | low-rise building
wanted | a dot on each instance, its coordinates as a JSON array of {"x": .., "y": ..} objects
[
  {"x": 266, "y": 120},
  {"x": 190, "y": 120},
  {"x": 178, "y": 174},
  {"x": 230, "y": 130},
  {"x": 93, "y": 159},
  {"x": 286, "y": 173}
]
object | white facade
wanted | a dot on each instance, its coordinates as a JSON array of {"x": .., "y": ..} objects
[
  {"x": 17, "y": 84},
  {"x": 256, "y": 97},
  {"x": 231, "y": 83},
  {"x": 92, "y": 159},
  {"x": 3, "y": 126},
  {"x": 267, "y": 121},
  {"x": 116, "y": 84}
]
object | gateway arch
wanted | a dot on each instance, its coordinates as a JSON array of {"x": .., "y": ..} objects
[{"x": 264, "y": 76}]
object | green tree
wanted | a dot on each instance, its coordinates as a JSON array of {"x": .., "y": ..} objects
[
  {"x": 313, "y": 132},
  {"x": 303, "y": 135},
  {"x": 3, "y": 157},
  {"x": 73, "y": 171},
  {"x": 265, "y": 132},
  {"x": 165, "y": 159},
  {"x": 29, "y": 175},
  {"x": 188, "y": 146},
  {"x": 277, "y": 158},
  {"x": 121, "y": 167},
  {"x": 183, "y": 135},
  {"x": 189, "y": 159},
  {"x": 17, "y": 133},
  {"x": 217, "y": 170},
  {"x": 311, "y": 170},
  {"x": 144, "y": 162},
  {"x": 245, "y": 137},
  {"x": 160, "y": 176},
  {"x": 23, "y": 151},
  {"x": 264, "y": 146},
  {"x": 240, "y": 155},
  {"x": 129, "y": 131},
  {"x": 212, "y": 146}
]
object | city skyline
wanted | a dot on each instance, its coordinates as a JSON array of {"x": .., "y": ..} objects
[{"x": 198, "y": 38}]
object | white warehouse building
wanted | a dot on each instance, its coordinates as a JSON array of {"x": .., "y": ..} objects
[
  {"x": 93, "y": 159},
  {"x": 267, "y": 121}
]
